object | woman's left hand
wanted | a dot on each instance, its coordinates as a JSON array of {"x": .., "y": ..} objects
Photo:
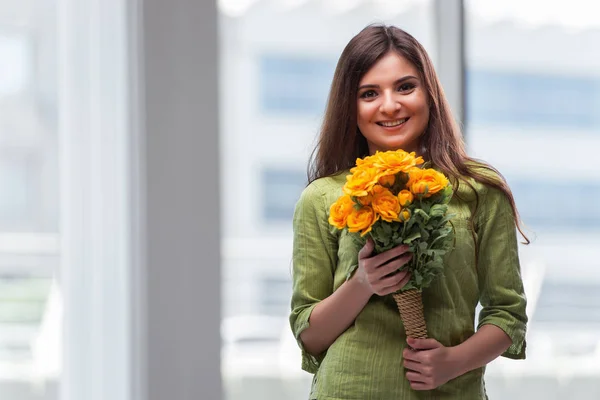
[{"x": 429, "y": 363}]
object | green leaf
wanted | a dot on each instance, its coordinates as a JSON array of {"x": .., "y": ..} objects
[
  {"x": 438, "y": 210},
  {"x": 442, "y": 234},
  {"x": 387, "y": 229},
  {"x": 412, "y": 237},
  {"x": 421, "y": 213},
  {"x": 410, "y": 285},
  {"x": 418, "y": 278}
]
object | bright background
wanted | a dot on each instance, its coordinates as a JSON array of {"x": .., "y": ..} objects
[{"x": 529, "y": 99}]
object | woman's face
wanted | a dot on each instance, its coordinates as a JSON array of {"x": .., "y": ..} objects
[{"x": 392, "y": 106}]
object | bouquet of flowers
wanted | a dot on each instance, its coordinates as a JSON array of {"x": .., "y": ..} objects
[{"x": 390, "y": 197}]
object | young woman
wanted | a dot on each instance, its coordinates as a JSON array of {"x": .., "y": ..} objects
[{"x": 385, "y": 95}]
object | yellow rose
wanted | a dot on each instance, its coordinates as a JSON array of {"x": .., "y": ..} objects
[
  {"x": 427, "y": 180},
  {"x": 414, "y": 174},
  {"x": 363, "y": 163},
  {"x": 339, "y": 211},
  {"x": 361, "y": 182},
  {"x": 387, "y": 180},
  {"x": 405, "y": 215},
  {"x": 365, "y": 200},
  {"x": 385, "y": 204},
  {"x": 361, "y": 220},
  {"x": 393, "y": 162},
  {"x": 366, "y": 162},
  {"x": 405, "y": 197}
]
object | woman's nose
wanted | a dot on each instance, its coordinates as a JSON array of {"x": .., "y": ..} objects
[{"x": 390, "y": 105}]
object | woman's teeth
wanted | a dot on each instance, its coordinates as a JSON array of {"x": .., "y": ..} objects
[{"x": 390, "y": 124}]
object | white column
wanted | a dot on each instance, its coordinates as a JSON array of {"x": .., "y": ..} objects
[
  {"x": 94, "y": 199},
  {"x": 177, "y": 276},
  {"x": 449, "y": 17}
]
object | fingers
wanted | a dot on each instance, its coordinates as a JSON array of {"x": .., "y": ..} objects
[
  {"x": 387, "y": 275},
  {"x": 381, "y": 270},
  {"x": 423, "y": 344},
  {"x": 387, "y": 279},
  {"x": 367, "y": 249},
  {"x": 394, "y": 283},
  {"x": 383, "y": 258},
  {"x": 402, "y": 282},
  {"x": 412, "y": 355},
  {"x": 419, "y": 381},
  {"x": 420, "y": 386},
  {"x": 393, "y": 280},
  {"x": 426, "y": 369},
  {"x": 392, "y": 266},
  {"x": 415, "y": 377},
  {"x": 412, "y": 366}
]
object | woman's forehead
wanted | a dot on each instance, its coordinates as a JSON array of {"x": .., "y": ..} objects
[{"x": 391, "y": 66}]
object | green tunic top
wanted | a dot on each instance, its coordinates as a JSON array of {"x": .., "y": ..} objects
[{"x": 365, "y": 362}]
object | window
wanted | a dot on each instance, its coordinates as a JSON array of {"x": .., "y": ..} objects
[
  {"x": 520, "y": 99},
  {"x": 532, "y": 112},
  {"x": 28, "y": 199},
  {"x": 294, "y": 84},
  {"x": 558, "y": 206},
  {"x": 15, "y": 64},
  {"x": 275, "y": 293},
  {"x": 575, "y": 304},
  {"x": 281, "y": 190}
]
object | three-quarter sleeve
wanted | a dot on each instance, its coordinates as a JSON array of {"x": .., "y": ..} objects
[
  {"x": 501, "y": 288},
  {"x": 314, "y": 260}
]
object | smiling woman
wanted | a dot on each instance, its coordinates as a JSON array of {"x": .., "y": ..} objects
[{"x": 385, "y": 95}]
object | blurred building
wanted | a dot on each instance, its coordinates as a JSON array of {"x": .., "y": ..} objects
[
  {"x": 532, "y": 100},
  {"x": 531, "y": 112},
  {"x": 28, "y": 184}
]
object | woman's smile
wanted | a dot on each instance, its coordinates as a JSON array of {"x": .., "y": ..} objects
[{"x": 393, "y": 124}]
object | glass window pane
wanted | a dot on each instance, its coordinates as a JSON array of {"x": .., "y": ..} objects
[
  {"x": 277, "y": 63},
  {"x": 533, "y": 95},
  {"x": 28, "y": 202}
]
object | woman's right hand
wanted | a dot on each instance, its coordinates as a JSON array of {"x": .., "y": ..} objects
[{"x": 379, "y": 274}]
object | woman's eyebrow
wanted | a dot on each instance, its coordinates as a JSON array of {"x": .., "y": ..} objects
[{"x": 398, "y": 81}]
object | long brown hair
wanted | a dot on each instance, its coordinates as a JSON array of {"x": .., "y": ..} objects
[{"x": 341, "y": 142}]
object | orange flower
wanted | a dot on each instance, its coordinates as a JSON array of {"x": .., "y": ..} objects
[
  {"x": 361, "y": 182},
  {"x": 392, "y": 162},
  {"x": 385, "y": 203},
  {"x": 405, "y": 197},
  {"x": 339, "y": 211},
  {"x": 414, "y": 174},
  {"x": 387, "y": 180},
  {"x": 363, "y": 163},
  {"x": 426, "y": 180},
  {"x": 405, "y": 215},
  {"x": 365, "y": 200},
  {"x": 361, "y": 220}
]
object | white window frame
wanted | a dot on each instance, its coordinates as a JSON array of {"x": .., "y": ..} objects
[{"x": 140, "y": 235}]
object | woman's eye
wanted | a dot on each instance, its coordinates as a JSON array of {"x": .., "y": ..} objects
[
  {"x": 406, "y": 87},
  {"x": 368, "y": 94}
]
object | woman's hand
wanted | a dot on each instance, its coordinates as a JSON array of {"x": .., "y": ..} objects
[
  {"x": 430, "y": 364},
  {"x": 379, "y": 274}
]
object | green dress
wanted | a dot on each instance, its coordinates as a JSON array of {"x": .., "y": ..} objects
[{"x": 365, "y": 362}]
